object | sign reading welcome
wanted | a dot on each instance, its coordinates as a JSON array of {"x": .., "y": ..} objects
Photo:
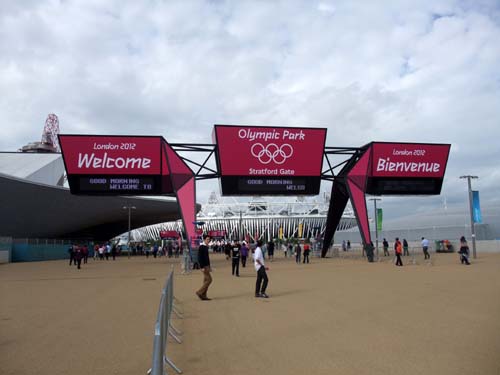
[
  {"x": 113, "y": 164},
  {"x": 407, "y": 168}
]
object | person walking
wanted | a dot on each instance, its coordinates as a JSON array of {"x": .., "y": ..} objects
[
  {"x": 102, "y": 250},
  {"x": 425, "y": 248},
  {"x": 385, "y": 245},
  {"x": 71, "y": 253},
  {"x": 262, "y": 279},
  {"x": 344, "y": 245},
  {"x": 204, "y": 262},
  {"x": 464, "y": 251},
  {"x": 244, "y": 254},
  {"x": 307, "y": 249},
  {"x": 298, "y": 252},
  {"x": 235, "y": 255},
  {"x": 405, "y": 247},
  {"x": 398, "y": 249},
  {"x": 85, "y": 252},
  {"x": 78, "y": 256},
  {"x": 227, "y": 250},
  {"x": 348, "y": 245},
  {"x": 270, "y": 250},
  {"x": 108, "y": 251},
  {"x": 114, "y": 250}
]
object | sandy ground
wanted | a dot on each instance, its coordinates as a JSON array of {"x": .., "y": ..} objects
[{"x": 333, "y": 316}]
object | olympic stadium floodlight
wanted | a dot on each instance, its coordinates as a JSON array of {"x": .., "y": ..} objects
[
  {"x": 471, "y": 210},
  {"x": 129, "y": 208}
]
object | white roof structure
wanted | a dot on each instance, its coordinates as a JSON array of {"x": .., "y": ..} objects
[{"x": 44, "y": 168}]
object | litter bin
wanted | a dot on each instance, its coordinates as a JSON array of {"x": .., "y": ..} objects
[{"x": 438, "y": 245}]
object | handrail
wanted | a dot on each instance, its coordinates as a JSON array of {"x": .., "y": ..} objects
[{"x": 163, "y": 328}]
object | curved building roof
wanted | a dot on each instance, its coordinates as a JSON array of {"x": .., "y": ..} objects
[{"x": 36, "y": 210}]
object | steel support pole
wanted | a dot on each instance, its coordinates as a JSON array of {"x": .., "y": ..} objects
[
  {"x": 128, "y": 244},
  {"x": 471, "y": 214},
  {"x": 375, "y": 220},
  {"x": 242, "y": 237}
]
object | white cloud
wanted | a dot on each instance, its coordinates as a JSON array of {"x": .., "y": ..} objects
[{"x": 410, "y": 71}]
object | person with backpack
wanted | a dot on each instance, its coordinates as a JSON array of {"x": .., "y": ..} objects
[{"x": 398, "y": 249}]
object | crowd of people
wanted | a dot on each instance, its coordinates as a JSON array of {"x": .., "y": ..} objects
[
  {"x": 239, "y": 251},
  {"x": 79, "y": 253},
  {"x": 236, "y": 252}
]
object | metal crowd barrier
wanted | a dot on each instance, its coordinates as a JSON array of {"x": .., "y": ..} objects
[{"x": 164, "y": 328}]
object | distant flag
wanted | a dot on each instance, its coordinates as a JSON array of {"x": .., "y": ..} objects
[
  {"x": 476, "y": 207},
  {"x": 379, "y": 219}
]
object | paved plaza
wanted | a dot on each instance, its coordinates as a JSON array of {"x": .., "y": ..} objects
[{"x": 333, "y": 316}]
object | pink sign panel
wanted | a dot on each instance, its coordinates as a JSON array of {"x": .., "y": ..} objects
[
  {"x": 111, "y": 155},
  {"x": 169, "y": 234},
  {"x": 409, "y": 160},
  {"x": 217, "y": 233},
  {"x": 270, "y": 151}
]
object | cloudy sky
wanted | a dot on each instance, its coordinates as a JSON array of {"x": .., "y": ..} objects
[{"x": 417, "y": 71}]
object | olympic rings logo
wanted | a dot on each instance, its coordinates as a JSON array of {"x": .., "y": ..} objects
[{"x": 271, "y": 152}]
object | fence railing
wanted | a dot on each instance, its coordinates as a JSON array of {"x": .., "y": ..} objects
[
  {"x": 164, "y": 328},
  {"x": 415, "y": 254}
]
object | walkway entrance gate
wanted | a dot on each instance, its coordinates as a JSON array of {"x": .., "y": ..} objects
[{"x": 255, "y": 160}]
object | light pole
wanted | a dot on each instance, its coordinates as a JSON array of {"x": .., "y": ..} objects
[
  {"x": 471, "y": 209},
  {"x": 241, "y": 236},
  {"x": 129, "y": 208},
  {"x": 375, "y": 219}
]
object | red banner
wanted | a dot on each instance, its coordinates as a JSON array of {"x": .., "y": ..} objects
[
  {"x": 169, "y": 234},
  {"x": 217, "y": 233},
  {"x": 409, "y": 160},
  {"x": 269, "y": 151},
  {"x": 111, "y": 155}
]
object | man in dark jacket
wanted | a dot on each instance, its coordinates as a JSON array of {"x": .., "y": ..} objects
[
  {"x": 385, "y": 245},
  {"x": 235, "y": 255},
  {"x": 204, "y": 261},
  {"x": 78, "y": 256}
]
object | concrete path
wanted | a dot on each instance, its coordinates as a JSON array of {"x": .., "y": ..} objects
[{"x": 333, "y": 316}]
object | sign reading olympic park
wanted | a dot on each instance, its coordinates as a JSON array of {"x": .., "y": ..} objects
[
  {"x": 406, "y": 168},
  {"x": 115, "y": 165},
  {"x": 254, "y": 160}
]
